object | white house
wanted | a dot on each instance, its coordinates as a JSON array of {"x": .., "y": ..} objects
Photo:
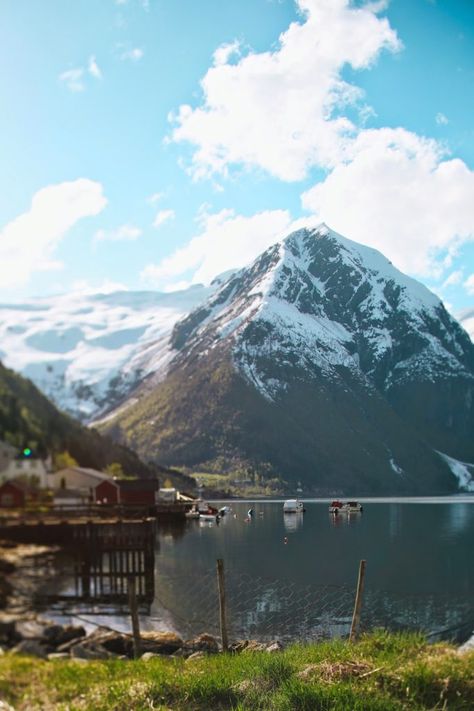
[
  {"x": 78, "y": 478},
  {"x": 7, "y": 454},
  {"x": 27, "y": 467}
]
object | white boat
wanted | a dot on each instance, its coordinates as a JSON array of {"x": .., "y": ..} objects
[
  {"x": 209, "y": 517},
  {"x": 353, "y": 507},
  {"x": 293, "y": 506}
]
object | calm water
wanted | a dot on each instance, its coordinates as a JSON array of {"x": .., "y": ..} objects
[{"x": 420, "y": 563}]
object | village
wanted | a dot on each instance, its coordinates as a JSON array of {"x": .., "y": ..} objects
[{"x": 32, "y": 484}]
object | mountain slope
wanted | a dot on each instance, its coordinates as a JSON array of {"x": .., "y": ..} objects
[
  {"x": 86, "y": 352},
  {"x": 27, "y": 417},
  {"x": 319, "y": 362}
]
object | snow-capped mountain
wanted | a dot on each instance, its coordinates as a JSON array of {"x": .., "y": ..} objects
[
  {"x": 320, "y": 361},
  {"x": 86, "y": 351}
]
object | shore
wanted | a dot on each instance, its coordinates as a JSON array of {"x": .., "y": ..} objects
[{"x": 381, "y": 672}]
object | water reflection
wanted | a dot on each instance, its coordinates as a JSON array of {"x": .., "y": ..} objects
[{"x": 293, "y": 521}]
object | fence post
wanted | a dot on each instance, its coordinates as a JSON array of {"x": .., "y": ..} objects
[
  {"x": 132, "y": 600},
  {"x": 222, "y": 609},
  {"x": 358, "y": 601}
]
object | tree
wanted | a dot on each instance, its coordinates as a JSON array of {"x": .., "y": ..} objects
[
  {"x": 62, "y": 460},
  {"x": 115, "y": 469}
]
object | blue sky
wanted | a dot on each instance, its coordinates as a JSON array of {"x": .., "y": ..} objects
[{"x": 156, "y": 144}]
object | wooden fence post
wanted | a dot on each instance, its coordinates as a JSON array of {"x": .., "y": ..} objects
[
  {"x": 222, "y": 610},
  {"x": 132, "y": 600},
  {"x": 358, "y": 601}
]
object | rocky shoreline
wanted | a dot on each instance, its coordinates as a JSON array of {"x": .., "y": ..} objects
[{"x": 23, "y": 631}]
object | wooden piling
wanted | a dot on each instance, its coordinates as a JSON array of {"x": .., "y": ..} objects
[
  {"x": 358, "y": 601},
  {"x": 222, "y": 606},
  {"x": 132, "y": 598}
]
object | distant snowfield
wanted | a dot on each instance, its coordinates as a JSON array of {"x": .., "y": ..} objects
[{"x": 82, "y": 351}]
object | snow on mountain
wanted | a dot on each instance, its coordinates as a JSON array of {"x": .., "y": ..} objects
[
  {"x": 319, "y": 362},
  {"x": 320, "y": 301},
  {"x": 86, "y": 351}
]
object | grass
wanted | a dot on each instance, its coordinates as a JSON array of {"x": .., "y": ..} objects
[{"x": 382, "y": 672}]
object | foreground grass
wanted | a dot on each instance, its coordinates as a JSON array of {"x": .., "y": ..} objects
[{"x": 382, "y": 672}]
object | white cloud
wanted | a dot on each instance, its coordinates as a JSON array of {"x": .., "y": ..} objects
[
  {"x": 469, "y": 284},
  {"x": 453, "y": 279},
  {"x": 163, "y": 216},
  {"x": 156, "y": 197},
  {"x": 124, "y": 233},
  {"x": 28, "y": 242},
  {"x": 441, "y": 119},
  {"x": 280, "y": 110},
  {"x": 226, "y": 241},
  {"x": 73, "y": 79},
  {"x": 93, "y": 68},
  {"x": 223, "y": 53},
  {"x": 399, "y": 194},
  {"x": 133, "y": 55}
]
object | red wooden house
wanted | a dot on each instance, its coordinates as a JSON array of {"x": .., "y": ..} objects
[
  {"x": 14, "y": 494},
  {"x": 139, "y": 492},
  {"x": 107, "y": 492}
]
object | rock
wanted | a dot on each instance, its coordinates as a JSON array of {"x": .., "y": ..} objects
[
  {"x": 5, "y": 707},
  {"x": 83, "y": 651},
  {"x": 274, "y": 647},
  {"x": 7, "y": 630},
  {"x": 196, "y": 655},
  {"x": 58, "y": 655},
  {"x": 203, "y": 643},
  {"x": 160, "y": 642},
  {"x": 33, "y": 648},
  {"x": 150, "y": 655},
  {"x": 29, "y": 629},
  {"x": 248, "y": 645},
  {"x": 6, "y": 567},
  {"x": 58, "y": 635}
]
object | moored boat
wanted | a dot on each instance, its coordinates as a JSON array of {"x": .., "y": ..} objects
[
  {"x": 353, "y": 507},
  {"x": 337, "y": 506},
  {"x": 293, "y": 506}
]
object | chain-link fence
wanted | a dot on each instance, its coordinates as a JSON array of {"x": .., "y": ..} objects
[
  {"x": 256, "y": 607},
  {"x": 265, "y": 609}
]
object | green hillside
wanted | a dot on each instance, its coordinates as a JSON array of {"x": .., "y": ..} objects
[{"x": 29, "y": 419}]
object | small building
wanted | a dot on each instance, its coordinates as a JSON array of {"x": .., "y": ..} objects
[
  {"x": 139, "y": 492},
  {"x": 168, "y": 495},
  {"x": 7, "y": 454},
  {"x": 69, "y": 498},
  {"x": 79, "y": 478},
  {"x": 107, "y": 492},
  {"x": 32, "y": 468},
  {"x": 14, "y": 494}
]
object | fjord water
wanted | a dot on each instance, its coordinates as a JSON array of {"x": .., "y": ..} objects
[{"x": 419, "y": 553}]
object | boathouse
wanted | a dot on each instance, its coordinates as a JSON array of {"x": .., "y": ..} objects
[
  {"x": 139, "y": 492},
  {"x": 107, "y": 492},
  {"x": 14, "y": 494}
]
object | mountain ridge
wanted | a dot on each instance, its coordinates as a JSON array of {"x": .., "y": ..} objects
[{"x": 320, "y": 314}]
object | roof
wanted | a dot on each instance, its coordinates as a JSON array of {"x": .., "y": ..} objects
[{"x": 103, "y": 476}]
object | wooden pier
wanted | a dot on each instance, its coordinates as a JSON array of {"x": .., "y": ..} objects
[{"x": 101, "y": 555}]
